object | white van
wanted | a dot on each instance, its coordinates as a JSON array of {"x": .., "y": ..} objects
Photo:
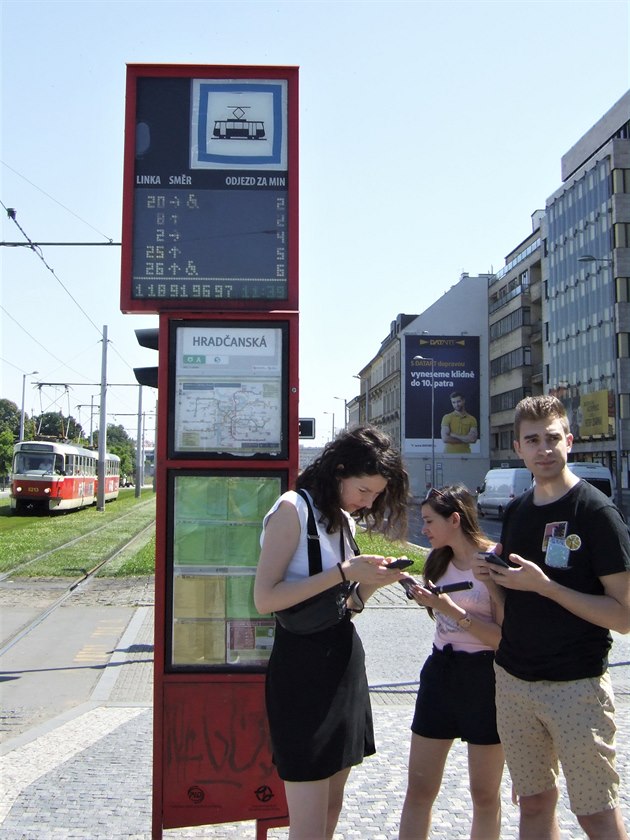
[
  {"x": 499, "y": 487},
  {"x": 596, "y": 474}
]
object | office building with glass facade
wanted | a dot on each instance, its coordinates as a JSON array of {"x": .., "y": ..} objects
[{"x": 586, "y": 277}]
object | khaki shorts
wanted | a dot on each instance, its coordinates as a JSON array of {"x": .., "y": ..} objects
[{"x": 542, "y": 723}]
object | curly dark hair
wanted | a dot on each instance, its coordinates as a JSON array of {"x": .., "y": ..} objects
[
  {"x": 363, "y": 450},
  {"x": 454, "y": 498}
]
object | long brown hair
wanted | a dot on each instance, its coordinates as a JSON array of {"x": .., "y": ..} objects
[{"x": 454, "y": 498}]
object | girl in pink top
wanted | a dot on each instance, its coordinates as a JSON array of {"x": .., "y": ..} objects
[{"x": 456, "y": 693}]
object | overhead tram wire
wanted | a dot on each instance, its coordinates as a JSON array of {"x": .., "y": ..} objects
[
  {"x": 61, "y": 244},
  {"x": 63, "y": 206},
  {"x": 11, "y": 213},
  {"x": 32, "y": 337},
  {"x": 34, "y": 246}
]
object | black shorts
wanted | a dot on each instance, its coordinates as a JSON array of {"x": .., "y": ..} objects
[{"x": 456, "y": 697}]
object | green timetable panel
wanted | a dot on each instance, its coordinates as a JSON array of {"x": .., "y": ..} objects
[
  {"x": 218, "y": 520},
  {"x": 216, "y": 528}
]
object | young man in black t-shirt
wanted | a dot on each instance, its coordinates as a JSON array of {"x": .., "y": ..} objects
[{"x": 569, "y": 586}]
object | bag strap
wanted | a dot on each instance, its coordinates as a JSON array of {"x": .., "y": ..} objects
[
  {"x": 312, "y": 539},
  {"x": 353, "y": 543}
]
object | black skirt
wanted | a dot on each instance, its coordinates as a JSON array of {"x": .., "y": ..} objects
[{"x": 318, "y": 703}]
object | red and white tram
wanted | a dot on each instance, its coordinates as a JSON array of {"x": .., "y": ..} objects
[{"x": 58, "y": 476}]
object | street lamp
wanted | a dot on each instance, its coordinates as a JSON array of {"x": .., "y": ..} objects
[
  {"x": 333, "y": 423},
  {"x": 345, "y": 411},
  {"x": 32, "y": 373},
  {"x": 427, "y": 359},
  {"x": 589, "y": 258}
]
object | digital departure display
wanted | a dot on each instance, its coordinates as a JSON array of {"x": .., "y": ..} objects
[
  {"x": 210, "y": 244},
  {"x": 209, "y": 214}
]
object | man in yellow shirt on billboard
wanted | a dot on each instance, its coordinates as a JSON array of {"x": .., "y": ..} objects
[{"x": 459, "y": 428}]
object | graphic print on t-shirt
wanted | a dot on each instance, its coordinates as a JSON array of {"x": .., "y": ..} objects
[{"x": 556, "y": 545}]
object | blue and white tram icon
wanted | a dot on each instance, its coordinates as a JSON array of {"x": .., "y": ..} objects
[{"x": 237, "y": 127}]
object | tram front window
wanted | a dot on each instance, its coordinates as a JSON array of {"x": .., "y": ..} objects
[{"x": 33, "y": 463}]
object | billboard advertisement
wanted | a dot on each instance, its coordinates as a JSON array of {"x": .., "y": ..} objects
[
  {"x": 442, "y": 395},
  {"x": 590, "y": 415}
]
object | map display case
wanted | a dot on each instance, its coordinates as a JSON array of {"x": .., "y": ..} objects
[{"x": 228, "y": 390}]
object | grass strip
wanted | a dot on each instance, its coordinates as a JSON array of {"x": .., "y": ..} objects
[
  {"x": 134, "y": 562},
  {"x": 377, "y": 544},
  {"x": 94, "y": 548},
  {"x": 24, "y": 537}
]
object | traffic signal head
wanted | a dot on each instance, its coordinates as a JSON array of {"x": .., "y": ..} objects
[{"x": 147, "y": 375}]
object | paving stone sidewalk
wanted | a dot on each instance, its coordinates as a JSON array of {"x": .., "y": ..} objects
[{"x": 87, "y": 776}]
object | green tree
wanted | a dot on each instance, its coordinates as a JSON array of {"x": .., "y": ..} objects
[
  {"x": 9, "y": 418},
  {"x": 54, "y": 425},
  {"x": 119, "y": 443},
  {"x": 6, "y": 453}
]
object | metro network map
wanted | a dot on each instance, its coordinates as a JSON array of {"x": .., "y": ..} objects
[
  {"x": 230, "y": 416},
  {"x": 228, "y": 389}
]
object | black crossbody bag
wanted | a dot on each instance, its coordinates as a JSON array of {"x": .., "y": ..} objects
[{"x": 327, "y": 608}]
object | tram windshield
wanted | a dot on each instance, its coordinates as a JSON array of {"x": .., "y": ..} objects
[{"x": 44, "y": 462}]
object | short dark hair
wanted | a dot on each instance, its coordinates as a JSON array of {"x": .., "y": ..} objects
[{"x": 542, "y": 407}]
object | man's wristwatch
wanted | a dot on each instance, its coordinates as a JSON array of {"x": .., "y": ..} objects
[{"x": 465, "y": 622}]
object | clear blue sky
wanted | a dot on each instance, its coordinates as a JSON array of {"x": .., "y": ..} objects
[{"x": 429, "y": 134}]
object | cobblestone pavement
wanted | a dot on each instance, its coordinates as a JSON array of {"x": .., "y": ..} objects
[{"x": 87, "y": 774}]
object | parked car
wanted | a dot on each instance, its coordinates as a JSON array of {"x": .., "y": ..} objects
[
  {"x": 499, "y": 487},
  {"x": 596, "y": 474}
]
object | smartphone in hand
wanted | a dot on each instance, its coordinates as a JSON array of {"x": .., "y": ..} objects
[
  {"x": 400, "y": 563},
  {"x": 406, "y": 584},
  {"x": 491, "y": 557},
  {"x": 460, "y": 586}
]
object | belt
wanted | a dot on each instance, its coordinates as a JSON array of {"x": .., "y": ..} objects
[{"x": 448, "y": 650}]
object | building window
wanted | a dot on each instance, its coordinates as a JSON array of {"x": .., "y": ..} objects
[
  {"x": 508, "y": 400},
  {"x": 517, "y": 358},
  {"x": 621, "y": 234},
  {"x": 621, "y": 180},
  {"x": 519, "y": 318}
]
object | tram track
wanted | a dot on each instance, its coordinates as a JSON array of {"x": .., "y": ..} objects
[
  {"x": 74, "y": 586},
  {"x": 73, "y": 542}
]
